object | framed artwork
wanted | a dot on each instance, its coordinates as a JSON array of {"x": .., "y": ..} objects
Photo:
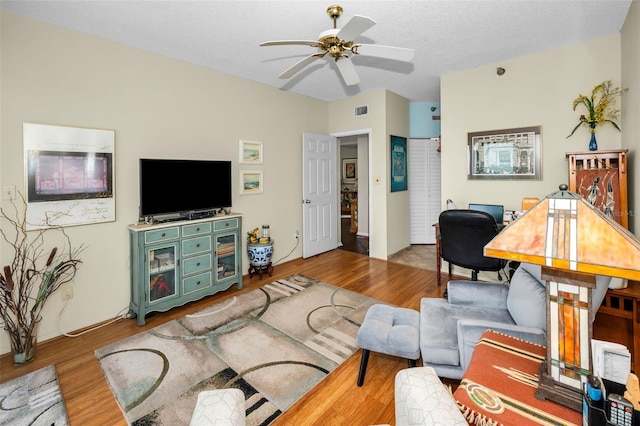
[
  {"x": 251, "y": 182},
  {"x": 349, "y": 170},
  {"x": 398, "y": 163},
  {"x": 69, "y": 175},
  {"x": 505, "y": 154},
  {"x": 250, "y": 152}
]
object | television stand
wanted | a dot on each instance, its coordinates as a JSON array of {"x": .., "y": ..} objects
[{"x": 182, "y": 261}]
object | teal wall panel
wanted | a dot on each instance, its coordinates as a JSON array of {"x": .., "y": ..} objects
[{"x": 421, "y": 124}]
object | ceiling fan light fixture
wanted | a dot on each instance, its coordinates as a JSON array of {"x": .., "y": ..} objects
[{"x": 338, "y": 42}]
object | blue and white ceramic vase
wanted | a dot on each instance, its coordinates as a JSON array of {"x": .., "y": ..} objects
[{"x": 260, "y": 254}]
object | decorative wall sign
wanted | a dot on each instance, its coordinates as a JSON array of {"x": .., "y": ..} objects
[
  {"x": 69, "y": 175},
  {"x": 398, "y": 163},
  {"x": 505, "y": 154}
]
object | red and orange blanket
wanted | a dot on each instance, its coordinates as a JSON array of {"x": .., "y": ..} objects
[{"x": 499, "y": 386}]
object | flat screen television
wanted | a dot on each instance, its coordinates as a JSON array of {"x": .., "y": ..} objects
[{"x": 183, "y": 187}]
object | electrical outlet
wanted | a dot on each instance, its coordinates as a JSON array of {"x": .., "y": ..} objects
[
  {"x": 9, "y": 192},
  {"x": 296, "y": 235},
  {"x": 67, "y": 291}
]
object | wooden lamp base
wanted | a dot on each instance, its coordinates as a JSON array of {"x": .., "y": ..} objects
[{"x": 549, "y": 389}]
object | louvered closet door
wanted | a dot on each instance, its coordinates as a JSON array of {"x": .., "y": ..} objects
[{"x": 424, "y": 189}]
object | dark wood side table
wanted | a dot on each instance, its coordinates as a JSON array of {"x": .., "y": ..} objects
[{"x": 618, "y": 320}]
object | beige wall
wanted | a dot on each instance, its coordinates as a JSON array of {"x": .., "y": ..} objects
[
  {"x": 388, "y": 114},
  {"x": 159, "y": 107},
  {"x": 398, "y": 226},
  {"x": 536, "y": 89},
  {"x": 631, "y": 108}
]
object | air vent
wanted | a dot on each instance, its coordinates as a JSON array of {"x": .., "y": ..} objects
[
  {"x": 361, "y": 110},
  {"x": 435, "y": 117}
]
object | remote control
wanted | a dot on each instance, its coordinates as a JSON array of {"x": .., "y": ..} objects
[{"x": 620, "y": 410}]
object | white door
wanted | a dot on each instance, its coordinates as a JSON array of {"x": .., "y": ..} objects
[
  {"x": 424, "y": 189},
  {"x": 319, "y": 194}
]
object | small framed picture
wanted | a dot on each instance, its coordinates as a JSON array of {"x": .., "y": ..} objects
[
  {"x": 349, "y": 170},
  {"x": 250, "y": 152},
  {"x": 251, "y": 182}
]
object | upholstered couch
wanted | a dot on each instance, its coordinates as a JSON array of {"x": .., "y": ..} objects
[{"x": 449, "y": 329}]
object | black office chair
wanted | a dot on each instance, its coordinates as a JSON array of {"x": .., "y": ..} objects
[{"x": 463, "y": 235}]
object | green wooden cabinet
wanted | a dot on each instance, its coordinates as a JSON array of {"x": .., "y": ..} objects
[{"x": 178, "y": 262}]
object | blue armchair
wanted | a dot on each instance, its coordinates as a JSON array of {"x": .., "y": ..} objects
[{"x": 449, "y": 329}]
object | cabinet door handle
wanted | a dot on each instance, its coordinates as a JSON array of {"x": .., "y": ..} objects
[
  {"x": 198, "y": 245},
  {"x": 198, "y": 283},
  {"x": 198, "y": 264},
  {"x": 163, "y": 234},
  {"x": 197, "y": 229}
]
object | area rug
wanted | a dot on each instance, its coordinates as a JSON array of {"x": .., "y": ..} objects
[
  {"x": 33, "y": 399},
  {"x": 274, "y": 343},
  {"x": 417, "y": 255}
]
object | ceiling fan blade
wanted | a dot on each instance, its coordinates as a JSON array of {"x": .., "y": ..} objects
[
  {"x": 348, "y": 71},
  {"x": 356, "y": 26},
  {"x": 299, "y": 65},
  {"x": 290, "y": 42},
  {"x": 387, "y": 52}
]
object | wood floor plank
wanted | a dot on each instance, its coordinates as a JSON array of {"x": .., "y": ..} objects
[{"x": 336, "y": 400}]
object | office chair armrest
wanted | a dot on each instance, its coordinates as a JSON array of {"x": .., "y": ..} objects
[
  {"x": 470, "y": 330},
  {"x": 477, "y": 293}
]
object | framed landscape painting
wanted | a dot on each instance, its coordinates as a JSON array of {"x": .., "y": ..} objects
[
  {"x": 251, "y": 182},
  {"x": 250, "y": 152}
]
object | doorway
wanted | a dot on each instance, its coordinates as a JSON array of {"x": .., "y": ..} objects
[{"x": 353, "y": 177}]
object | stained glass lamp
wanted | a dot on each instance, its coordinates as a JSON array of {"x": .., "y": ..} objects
[{"x": 572, "y": 241}]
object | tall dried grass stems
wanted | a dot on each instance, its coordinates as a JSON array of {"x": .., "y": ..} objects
[{"x": 35, "y": 273}]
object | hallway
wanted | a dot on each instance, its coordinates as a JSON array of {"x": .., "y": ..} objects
[{"x": 351, "y": 242}]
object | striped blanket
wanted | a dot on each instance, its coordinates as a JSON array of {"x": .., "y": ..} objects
[{"x": 499, "y": 386}]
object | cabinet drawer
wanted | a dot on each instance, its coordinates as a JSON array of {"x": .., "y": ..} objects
[
  {"x": 221, "y": 225},
  {"x": 196, "y": 264},
  {"x": 196, "y": 229},
  {"x": 197, "y": 282},
  {"x": 196, "y": 245},
  {"x": 165, "y": 234}
]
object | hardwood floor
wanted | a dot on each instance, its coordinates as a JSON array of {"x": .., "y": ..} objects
[{"x": 335, "y": 401}]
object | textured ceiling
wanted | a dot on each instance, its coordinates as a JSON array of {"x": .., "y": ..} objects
[{"x": 447, "y": 35}]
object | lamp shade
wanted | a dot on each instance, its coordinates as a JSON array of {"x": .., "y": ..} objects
[{"x": 564, "y": 231}]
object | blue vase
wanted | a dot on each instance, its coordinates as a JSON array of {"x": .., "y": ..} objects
[{"x": 593, "y": 144}]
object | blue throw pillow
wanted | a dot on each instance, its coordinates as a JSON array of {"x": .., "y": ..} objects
[{"x": 527, "y": 297}]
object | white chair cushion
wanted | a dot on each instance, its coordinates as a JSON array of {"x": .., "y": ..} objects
[
  {"x": 219, "y": 407},
  {"x": 422, "y": 399}
]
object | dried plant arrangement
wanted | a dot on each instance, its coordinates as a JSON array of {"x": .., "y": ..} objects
[{"x": 35, "y": 273}]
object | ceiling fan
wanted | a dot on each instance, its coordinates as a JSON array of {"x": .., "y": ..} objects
[{"x": 338, "y": 42}]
